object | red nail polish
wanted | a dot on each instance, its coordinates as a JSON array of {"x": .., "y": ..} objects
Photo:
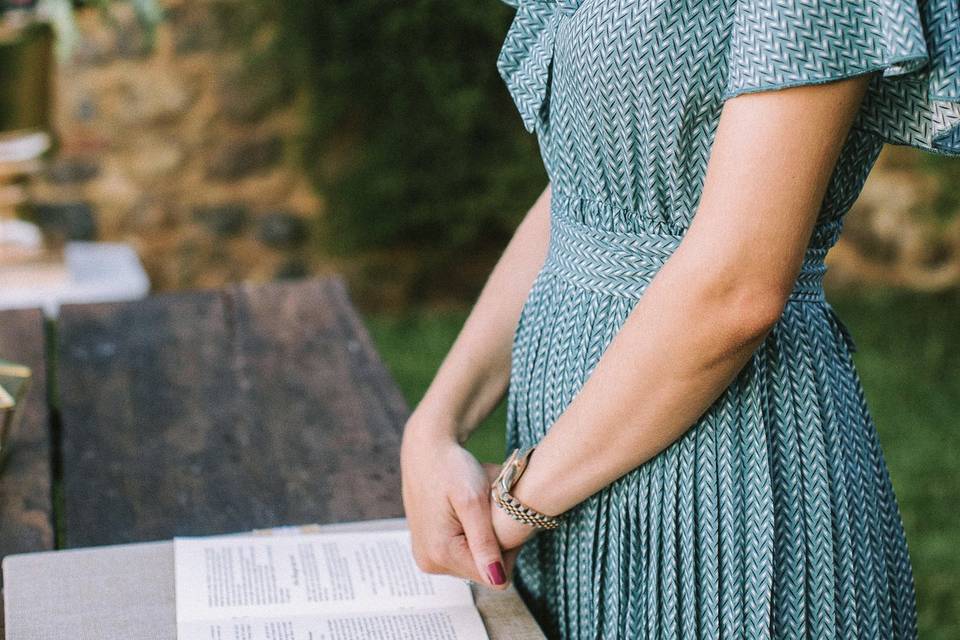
[{"x": 497, "y": 576}]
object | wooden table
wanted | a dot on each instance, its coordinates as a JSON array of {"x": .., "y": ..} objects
[{"x": 198, "y": 413}]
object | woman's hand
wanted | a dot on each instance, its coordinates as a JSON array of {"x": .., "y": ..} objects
[
  {"x": 446, "y": 498},
  {"x": 511, "y": 533}
]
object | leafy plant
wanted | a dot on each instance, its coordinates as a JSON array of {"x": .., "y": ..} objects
[{"x": 415, "y": 142}]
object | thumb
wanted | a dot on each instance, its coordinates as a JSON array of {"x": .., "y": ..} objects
[{"x": 478, "y": 529}]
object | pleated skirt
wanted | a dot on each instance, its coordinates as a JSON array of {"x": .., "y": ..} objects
[{"x": 771, "y": 517}]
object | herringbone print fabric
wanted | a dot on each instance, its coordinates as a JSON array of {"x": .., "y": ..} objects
[{"x": 774, "y": 515}]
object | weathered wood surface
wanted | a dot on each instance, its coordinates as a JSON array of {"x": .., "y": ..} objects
[
  {"x": 26, "y": 513},
  {"x": 212, "y": 412}
]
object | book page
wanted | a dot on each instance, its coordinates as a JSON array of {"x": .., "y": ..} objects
[
  {"x": 313, "y": 586},
  {"x": 458, "y": 623}
]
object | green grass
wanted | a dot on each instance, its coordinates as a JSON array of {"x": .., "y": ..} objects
[
  {"x": 909, "y": 362},
  {"x": 413, "y": 346}
]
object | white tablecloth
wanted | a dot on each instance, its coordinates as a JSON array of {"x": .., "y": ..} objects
[{"x": 98, "y": 272}]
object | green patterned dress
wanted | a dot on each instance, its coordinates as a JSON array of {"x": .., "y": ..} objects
[{"x": 774, "y": 515}]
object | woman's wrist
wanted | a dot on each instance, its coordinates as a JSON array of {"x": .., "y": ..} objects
[
  {"x": 535, "y": 489},
  {"x": 510, "y": 532},
  {"x": 424, "y": 424}
]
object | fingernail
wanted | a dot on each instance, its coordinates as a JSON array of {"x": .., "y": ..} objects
[{"x": 495, "y": 570}]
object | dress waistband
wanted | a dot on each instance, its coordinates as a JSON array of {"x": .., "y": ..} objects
[{"x": 624, "y": 264}]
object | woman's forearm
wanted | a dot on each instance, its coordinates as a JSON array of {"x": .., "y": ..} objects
[
  {"x": 712, "y": 303},
  {"x": 474, "y": 375},
  {"x": 683, "y": 343}
]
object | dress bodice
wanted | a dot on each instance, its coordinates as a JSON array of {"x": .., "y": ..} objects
[{"x": 625, "y": 95}]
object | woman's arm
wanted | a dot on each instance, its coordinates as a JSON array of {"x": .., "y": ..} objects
[
  {"x": 445, "y": 489},
  {"x": 474, "y": 374},
  {"x": 712, "y": 303}
]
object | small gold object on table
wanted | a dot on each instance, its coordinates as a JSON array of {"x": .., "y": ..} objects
[{"x": 14, "y": 380}]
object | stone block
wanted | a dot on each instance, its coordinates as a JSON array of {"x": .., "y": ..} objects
[
  {"x": 72, "y": 170},
  {"x": 249, "y": 94},
  {"x": 155, "y": 157},
  {"x": 293, "y": 269},
  {"x": 151, "y": 96},
  {"x": 224, "y": 220},
  {"x": 237, "y": 159},
  {"x": 213, "y": 25},
  {"x": 117, "y": 36},
  {"x": 66, "y": 221},
  {"x": 282, "y": 230}
]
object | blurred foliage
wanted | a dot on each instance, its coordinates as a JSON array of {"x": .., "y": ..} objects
[
  {"x": 418, "y": 149},
  {"x": 25, "y": 79},
  {"x": 908, "y": 354},
  {"x": 413, "y": 344},
  {"x": 415, "y": 142},
  {"x": 945, "y": 205}
]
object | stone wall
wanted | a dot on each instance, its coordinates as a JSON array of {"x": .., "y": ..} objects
[
  {"x": 904, "y": 230},
  {"x": 184, "y": 146}
]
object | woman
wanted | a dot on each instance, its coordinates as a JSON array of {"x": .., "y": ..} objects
[{"x": 659, "y": 326}]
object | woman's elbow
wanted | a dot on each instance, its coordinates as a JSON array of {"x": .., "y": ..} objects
[
  {"x": 756, "y": 307},
  {"x": 744, "y": 308},
  {"x": 744, "y": 298}
]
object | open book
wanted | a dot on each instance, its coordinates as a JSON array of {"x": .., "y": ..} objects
[
  {"x": 128, "y": 591},
  {"x": 316, "y": 586}
]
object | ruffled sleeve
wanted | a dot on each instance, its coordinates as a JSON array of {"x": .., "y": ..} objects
[{"x": 916, "y": 44}]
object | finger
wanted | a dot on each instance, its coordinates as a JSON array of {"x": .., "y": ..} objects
[
  {"x": 459, "y": 561},
  {"x": 510, "y": 561},
  {"x": 474, "y": 515},
  {"x": 443, "y": 547},
  {"x": 448, "y": 553}
]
